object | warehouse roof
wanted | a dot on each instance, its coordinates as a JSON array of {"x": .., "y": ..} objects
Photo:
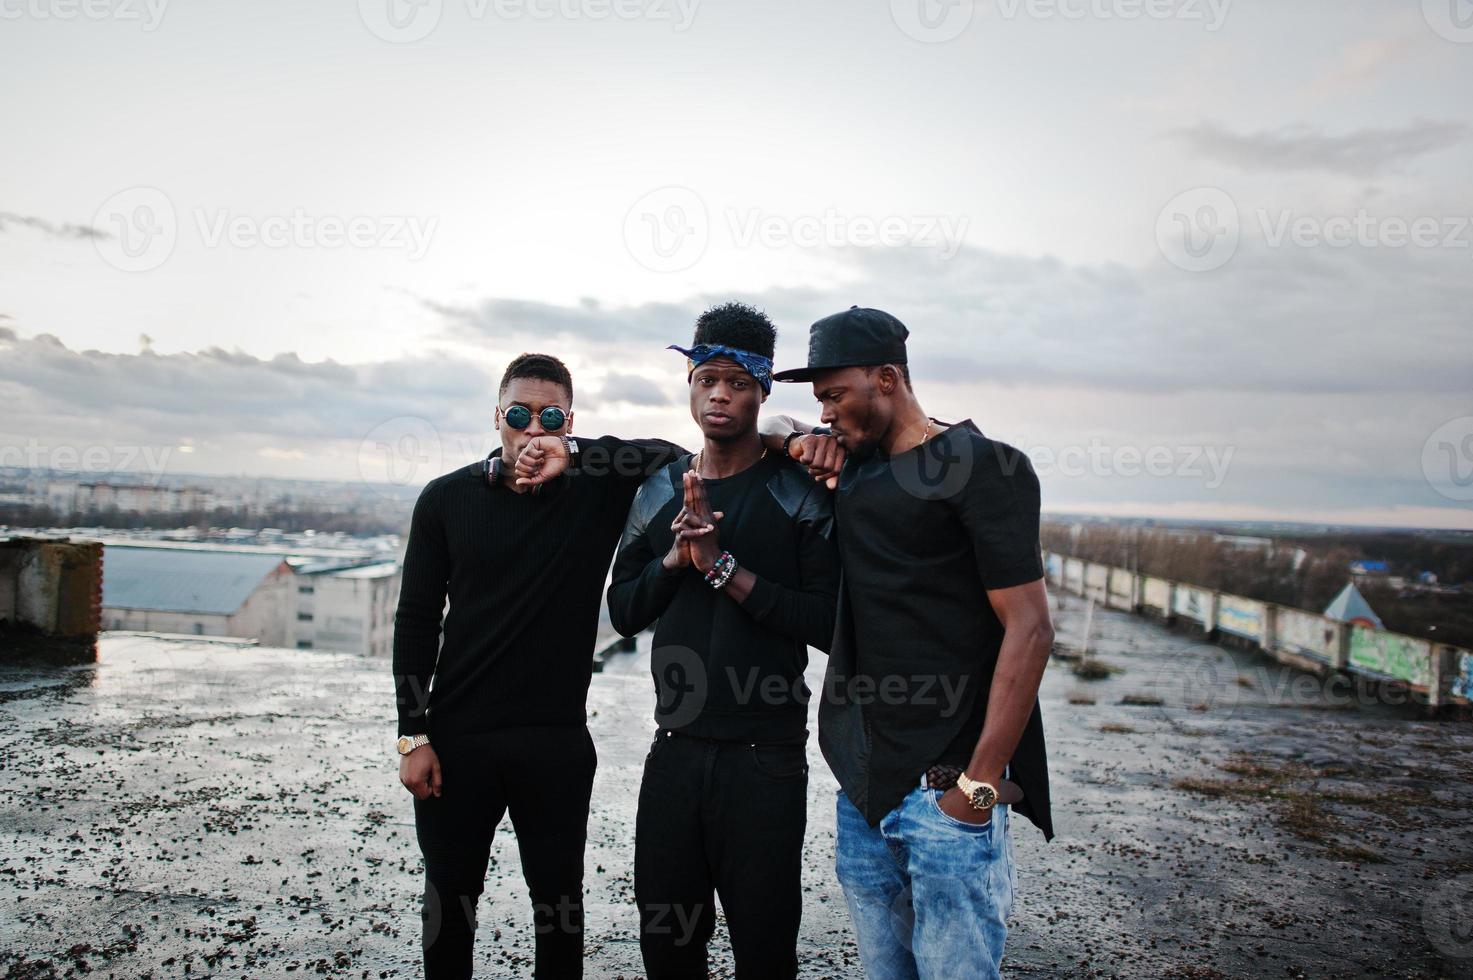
[{"x": 174, "y": 580}]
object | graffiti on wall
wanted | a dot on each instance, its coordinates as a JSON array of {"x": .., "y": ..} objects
[
  {"x": 1305, "y": 633},
  {"x": 1240, "y": 617},
  {"x": 1391, "y": 655},
  {"x": 1192, "y": 603},
  {"x": 1463, "y": 676}
]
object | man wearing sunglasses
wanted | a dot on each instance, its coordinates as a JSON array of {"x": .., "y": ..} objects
[
  {"x": 493, "y": 720},
  {"x": 732, "y": 552}
]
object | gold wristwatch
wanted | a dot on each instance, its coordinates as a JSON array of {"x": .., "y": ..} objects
[
  {"x": 408, "y": 743},
  {"x": 979, "y": 794}
]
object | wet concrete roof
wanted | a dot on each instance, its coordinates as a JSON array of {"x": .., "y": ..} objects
[{"x": 185, "y": 806}]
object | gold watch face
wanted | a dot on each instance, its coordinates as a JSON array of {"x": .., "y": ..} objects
[
  {"x": 983, "y": 797},
  {"x": 405, "y": 744}
]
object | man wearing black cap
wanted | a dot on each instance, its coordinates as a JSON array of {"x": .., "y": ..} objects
[
  {"x": 732, "y": 552},
  {"x": 929, "y": 716}
]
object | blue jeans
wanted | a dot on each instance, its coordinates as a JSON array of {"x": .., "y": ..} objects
[{"x": 929, "y": 895}]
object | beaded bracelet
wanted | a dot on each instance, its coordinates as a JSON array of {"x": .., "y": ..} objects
[
  {"x": 721, "y": 562},
  {"x": 721, "y": 571},
  {"x": 725, "y": 575}
]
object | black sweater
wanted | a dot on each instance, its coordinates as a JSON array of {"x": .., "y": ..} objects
[
  {"x": 724, "y": 669},
  {"x": 523, "y": 573}
]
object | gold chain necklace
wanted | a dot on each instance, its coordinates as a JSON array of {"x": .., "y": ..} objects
[{"x": 924, "y": 435}]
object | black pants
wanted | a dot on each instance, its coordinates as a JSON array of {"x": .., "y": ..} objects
[
  {"x": 726, "y": 817},
  {"x": 544, "y": 776}
]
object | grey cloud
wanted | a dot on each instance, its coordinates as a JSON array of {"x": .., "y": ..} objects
[
  {"x": 222, "y": 394},
  {"x": 1362, "y": 153},
  {"x": 80, "y": 232},
  {"x": 633, "y": 390},
  {"x": 1286, "y": 319},
  {"x": 589, "y": 321}
]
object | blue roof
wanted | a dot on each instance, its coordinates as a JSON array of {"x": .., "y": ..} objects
[{"x": 181, "y": 580}]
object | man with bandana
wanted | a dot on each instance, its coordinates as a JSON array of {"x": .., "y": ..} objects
[{"x": 731, "y": 551}]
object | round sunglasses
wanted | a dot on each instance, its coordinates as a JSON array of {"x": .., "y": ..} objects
[{"x": 520, "y": 416}]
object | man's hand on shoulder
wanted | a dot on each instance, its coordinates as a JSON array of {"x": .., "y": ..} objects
[
  {"x": 542, "y": 459},
  {"x": 821, "y": 455}
]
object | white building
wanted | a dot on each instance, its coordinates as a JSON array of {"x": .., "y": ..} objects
[
  {"x": 346, "y": 607},
  {"x": 128, "y": 498},
  {"x": 342, "y": 604}
]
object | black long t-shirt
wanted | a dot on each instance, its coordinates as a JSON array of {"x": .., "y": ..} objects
[
  {"x": 725, "y": 669},
  {"x": 523, "y": 573},
  {"x": 925, "y": 534}
]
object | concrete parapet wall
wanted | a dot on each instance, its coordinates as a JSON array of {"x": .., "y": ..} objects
[
  {"x": 50, "y": 597},
  {"x": 1443, "y": 674}
]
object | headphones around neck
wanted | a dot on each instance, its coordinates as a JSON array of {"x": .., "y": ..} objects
[{"x": 493, "y": 470}]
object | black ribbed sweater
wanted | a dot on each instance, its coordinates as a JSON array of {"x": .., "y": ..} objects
[{"x": 524, "y": 574}]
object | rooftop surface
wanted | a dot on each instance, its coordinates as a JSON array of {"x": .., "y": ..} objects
[{"x": 186, "y": 806}]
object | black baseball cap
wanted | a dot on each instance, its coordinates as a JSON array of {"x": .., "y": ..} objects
[{"x": 858, "y": 337}]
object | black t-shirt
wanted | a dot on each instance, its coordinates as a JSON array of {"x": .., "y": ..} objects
[
  {"x": 725, "y": 669},
  {"x": 924, "y": 535},
  {"x": 523, "y": 573}
]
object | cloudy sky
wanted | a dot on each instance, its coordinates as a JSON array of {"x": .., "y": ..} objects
[{"x": 1207, "y": 258}]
